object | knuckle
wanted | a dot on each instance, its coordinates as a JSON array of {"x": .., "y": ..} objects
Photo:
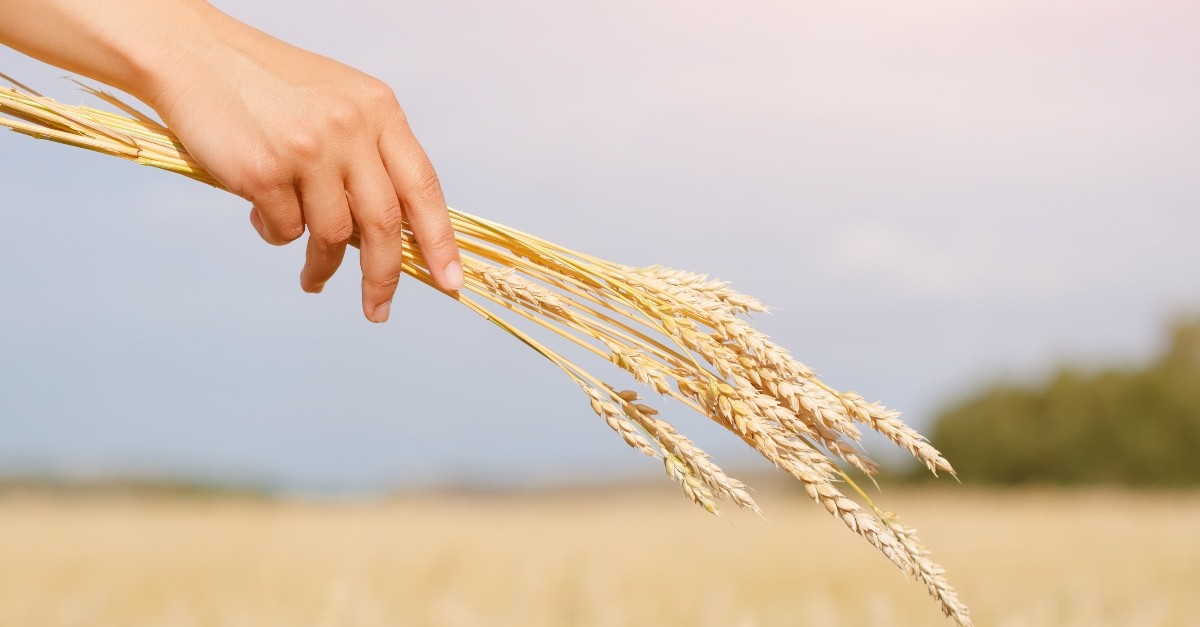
[
  {"x": 378, "y": 92},
  {"x": 388, "y": 220},
  {"x": 343, "y": 117},
  {"x": 427, "y": 187},
  {"x": 289, "y": 232},
  {"x": 396, "y": 121},
  {"x": 264, "y": 177},
  {"x": 335, "y": 235},
  {"x": 302, "y": 144},
  {"x": 383, "y": 105},
  {"x": 440, "y": 242},
  {"x": 386, "y": 282}
]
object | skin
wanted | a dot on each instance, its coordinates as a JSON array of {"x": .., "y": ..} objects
[{"x": 313, "y": 144}]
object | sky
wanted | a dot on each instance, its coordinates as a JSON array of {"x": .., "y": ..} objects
[{"x": 932, "y": 195}]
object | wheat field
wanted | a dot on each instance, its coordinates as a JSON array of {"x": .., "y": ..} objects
[{"x": 617, "y": 557}]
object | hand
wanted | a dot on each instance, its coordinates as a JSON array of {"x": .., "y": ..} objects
[{"x": 310, "y": 143}]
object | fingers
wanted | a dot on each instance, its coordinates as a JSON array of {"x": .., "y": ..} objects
[
  {"x": 276, "y": 215},
  {"x": 327, "y": 213},
  {"x": 416, "y": 182},
  {"x": 376, "y": 207},
  {"x": 256, "y": 222},
  {"x": 382, "y": 182}
]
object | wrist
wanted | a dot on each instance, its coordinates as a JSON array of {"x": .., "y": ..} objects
[{"x": 184, "y": 36}]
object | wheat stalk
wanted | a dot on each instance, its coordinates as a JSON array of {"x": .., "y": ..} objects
[{"x": 676, "y": 332}]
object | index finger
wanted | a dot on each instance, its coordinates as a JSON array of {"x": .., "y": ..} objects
[{"x": 417, "y": 185}]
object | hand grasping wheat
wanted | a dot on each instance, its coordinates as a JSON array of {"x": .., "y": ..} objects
[{"x": 678, "y": 333}]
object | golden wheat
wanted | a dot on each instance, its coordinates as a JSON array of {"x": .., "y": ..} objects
[{"x": 676, "y": 332}]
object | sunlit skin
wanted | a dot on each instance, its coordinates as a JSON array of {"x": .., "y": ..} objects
[{"x": 311, "y": 143}]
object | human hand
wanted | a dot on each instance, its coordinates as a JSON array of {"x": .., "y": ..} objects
[{"x": 312, "y": 143}]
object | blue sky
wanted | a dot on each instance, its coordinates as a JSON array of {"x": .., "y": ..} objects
[{"x": 931, "y": 194}]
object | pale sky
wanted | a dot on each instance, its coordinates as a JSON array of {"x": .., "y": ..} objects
[{"x": 932, "y": 194}]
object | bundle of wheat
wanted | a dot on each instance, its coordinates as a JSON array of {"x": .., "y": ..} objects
[{"x": 679, "y": 333}]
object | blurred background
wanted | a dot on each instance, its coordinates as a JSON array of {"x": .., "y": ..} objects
[{"x": 985, "y": 214}]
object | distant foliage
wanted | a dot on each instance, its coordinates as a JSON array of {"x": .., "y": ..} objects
[{"x": 1122, "y": 426}]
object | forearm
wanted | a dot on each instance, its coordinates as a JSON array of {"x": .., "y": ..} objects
[{"x": 129, "y": 44}]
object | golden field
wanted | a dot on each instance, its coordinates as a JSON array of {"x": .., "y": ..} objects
[{"x": 635, "y": 557}]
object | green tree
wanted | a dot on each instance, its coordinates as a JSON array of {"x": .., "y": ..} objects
[{"x": 1117, "y": 426}]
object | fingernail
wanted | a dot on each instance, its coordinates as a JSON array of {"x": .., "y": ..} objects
[
  {"x": 453, "y": 275},
  {"x": 317, "y": 289},
  {"x": 382, "y": 312}
]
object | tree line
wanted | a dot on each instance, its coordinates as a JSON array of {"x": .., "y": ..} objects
[{"x": 1129, "y": 426}]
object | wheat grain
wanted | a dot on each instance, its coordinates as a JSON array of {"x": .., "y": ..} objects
[{"x": 679, "y": 333}]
